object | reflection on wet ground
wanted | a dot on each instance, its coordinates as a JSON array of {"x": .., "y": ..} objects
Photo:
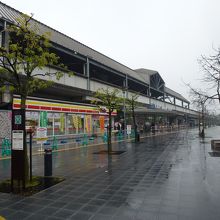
[{"x": 165, "y": 177}]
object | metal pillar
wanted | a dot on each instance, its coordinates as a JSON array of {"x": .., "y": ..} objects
[
  {"x": 125, "y": 93},
  {"x": 87, "y": 73}
]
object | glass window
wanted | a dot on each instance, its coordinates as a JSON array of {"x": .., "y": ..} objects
[
  {"x": 32, "y": 120},
  {"x": 50, "y": 124},
  {"x": 59, "y": 123},
  {"x": 72, "y": 124}
]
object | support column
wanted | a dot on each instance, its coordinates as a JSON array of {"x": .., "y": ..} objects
[
  {"x": 125, "y": 93},
  {"x": 87, "y": 73},
  {"x": 66, "y": 123},
  {"x": 53, "y": 124}
]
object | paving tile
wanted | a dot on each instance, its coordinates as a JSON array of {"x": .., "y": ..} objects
[
  {"x": 37, "y": 217},
  {"x": 108, "y": 211},
  {"x": 63, "y": 213},
  {"x": 90, "y": 208},
  {"x": 146, "y": 216},
  {"x": 97, "y": 202},
  {"x": 6, "y": 212},
  {"x": 58, "y": 204},
  {"x": 81, "y": 216},
  {"x": 73, "y": 206},
  {"x": 82, "y": 200},
  {"x": 167, "y": 216},
  {"x": 18, "y": 215},
  {"x": 48, "y": 211},
  {"x": 101, "y": 217}
]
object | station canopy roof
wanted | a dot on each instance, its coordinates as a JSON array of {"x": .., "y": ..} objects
[{"x": 175, "y": 94}]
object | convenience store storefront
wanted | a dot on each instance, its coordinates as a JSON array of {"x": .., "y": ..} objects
[{"x": 64, "y": 119}]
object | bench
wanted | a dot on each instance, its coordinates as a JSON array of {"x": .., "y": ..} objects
[{"x": 215, "y": 145}]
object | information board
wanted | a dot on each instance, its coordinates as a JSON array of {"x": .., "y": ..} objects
[
  {"x": 41, "y": 135},
  {"x": 17, "y": 140}
]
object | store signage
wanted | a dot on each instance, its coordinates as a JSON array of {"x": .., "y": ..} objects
[
  {"x": 43, "y": 119},
  {"x": 41, "y": 135},
  {"x": 17, "y": 140},
  {"x": 102, "y": 123},
  {"x": 128, "y": 129},
  {"x": 18, "y": 119}
]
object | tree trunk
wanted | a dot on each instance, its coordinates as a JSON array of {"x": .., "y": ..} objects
[
  {"x": 135, "y": 126},
  {"x": 203, "y": 123},
  {"x": 199, "y": 124},
  {"x": 26, "y": 163},
  {"x": 202, "y": 132},
  {"x": 109, "y": 131}
]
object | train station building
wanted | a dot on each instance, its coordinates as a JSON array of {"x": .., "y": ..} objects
[{"x": 67, "y": 104}]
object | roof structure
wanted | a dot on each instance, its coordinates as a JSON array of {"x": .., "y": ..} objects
[
  {"x": 10, "y": 14},
  {"x": 175, "y": 94},
  {"x": 145, "y": 74}
]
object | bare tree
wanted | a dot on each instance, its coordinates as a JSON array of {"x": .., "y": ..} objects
[
  {"x": 211, "y": 80},
  {"x": 200, "y": 100},
  {"x": 211, "y": 67}
]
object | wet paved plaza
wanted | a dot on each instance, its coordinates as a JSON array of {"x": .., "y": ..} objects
[{"x": 165, "y": 177}]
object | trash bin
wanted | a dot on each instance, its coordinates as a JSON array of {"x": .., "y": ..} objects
[{"x": 48, "y": 162}]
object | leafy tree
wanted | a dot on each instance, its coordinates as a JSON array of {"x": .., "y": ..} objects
[
  {"x": 132, "y": 105},
  {"x": 22, "y": 61},
  {"x": 109, "y": 99}
]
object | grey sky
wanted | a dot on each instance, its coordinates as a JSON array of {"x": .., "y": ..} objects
[{"x": 164, "y": 35}]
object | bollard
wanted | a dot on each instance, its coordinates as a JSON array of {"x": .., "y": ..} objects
[
  {"x": 132, "y": 135},
  {"x": 48, "y": 162},
  {"x": 105, "y": 138},
  {"x": 54, "y": 144},
  {"x": 138, "y": 137},
  {"x": 85, "y": 140},
  {"x": 120, "y": 136}
]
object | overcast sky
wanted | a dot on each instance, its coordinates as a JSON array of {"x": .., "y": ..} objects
[{"x": 164, "y": 35}]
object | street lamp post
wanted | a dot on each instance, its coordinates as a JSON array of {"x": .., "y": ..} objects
[
  {"x": 6, "y": 99},
  {"x": 125, "y": 94},
  {"x": 124, "y": 108}
]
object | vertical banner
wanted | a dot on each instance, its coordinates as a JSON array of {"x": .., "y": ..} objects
[
  {"x": 88, "y": 119},
  {"x": 43, "y": 119},
  {"x": 102, "y": 123},
  {"x": 62, "y": 122},
  {"x": 75, "y": 122}
]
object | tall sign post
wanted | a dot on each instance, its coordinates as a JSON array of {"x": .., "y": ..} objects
[{"x": 18, "y": 152}]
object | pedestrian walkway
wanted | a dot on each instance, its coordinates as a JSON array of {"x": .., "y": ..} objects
[{"x": 170, "y": 177}]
